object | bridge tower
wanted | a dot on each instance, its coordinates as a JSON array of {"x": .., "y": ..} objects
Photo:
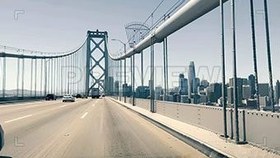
[{"x": 96, "y": 62}]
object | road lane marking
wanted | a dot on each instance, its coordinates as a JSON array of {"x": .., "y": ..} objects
[
  {"x": 62, "y": 106},
  {"x": 19, "y": 118},
  {"x": 85, "y": 114}
]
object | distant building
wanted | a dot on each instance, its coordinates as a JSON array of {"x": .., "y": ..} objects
[
  {"x": 204, "y": 83},
  {"x": 174, "y": 90},
  {"x": 192, "y": 89},
  {"x": 263, "y": 89},
  {"x": 142, "y": 92},
  {"x": 240, "y": 83},
  {"x": 277, "y": 92},
  {"x": 203, "y": 98},
  {"x": 230, "y": 95},
  {"x": 169, "y": 97},
  {"x": 183, "y": 85},
  {"x": 201, "y": 89},
  {"x": 246, "y": 92},
  {"x": 110, "y": 86},
  {"x": 116, "y": 88},
  {"x": 264, "y": 101},
  {"x": 176, "y": 97},
  {"x": 251, "y": 103},
  {"x": 127, "y": 90},
  {"x": 158, "y": 93},
  {"x": 195, "y": 99},
  {"x": 214, "y": 92},
  {"x": 252, "y": 84},
  {"x": 197, "y": 84},
  {"x": 184, "y": 99}
]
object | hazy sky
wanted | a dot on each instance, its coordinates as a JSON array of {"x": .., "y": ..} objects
[{"x": 52, "y": 25}]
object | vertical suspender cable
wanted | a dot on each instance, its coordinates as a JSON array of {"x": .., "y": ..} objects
[
  {"x": 223, "y": 68},
  {"x": 269, "y": 56},
  {"x": 236, "y": 101}
]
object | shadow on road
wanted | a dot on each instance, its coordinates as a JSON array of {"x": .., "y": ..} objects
[{"x": 5, "y": 157}]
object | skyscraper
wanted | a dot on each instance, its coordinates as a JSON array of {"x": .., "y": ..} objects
[
  {"x": 230, "y": 96},
  {"x": 252, "y": 84},
  {"x": 246, "y": 92},
  {"x": 277, "y": 92},
  {"x": 192, "y": 81},
  {"x": 116, "y": 88},
  {"x": 240, "y": 83},
  {"x": 183, "y": 85},
  {"x": 263, "y": 89},
  {"x": 110, "y": 85},
  {"x": 214, "y": 92},
  {"x": 197, "y": 84}
]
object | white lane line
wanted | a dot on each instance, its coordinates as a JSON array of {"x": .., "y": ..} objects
[
  {"x": 19, "y": 118},
  {"x": 62, "y": 106},
  {"x": 85, "y": 114}
]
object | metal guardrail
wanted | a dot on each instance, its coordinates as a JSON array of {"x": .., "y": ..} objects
[{"x": 259, "y": 128}]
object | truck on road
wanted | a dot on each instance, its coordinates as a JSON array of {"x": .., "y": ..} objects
[{"x": 95, "y": 93}]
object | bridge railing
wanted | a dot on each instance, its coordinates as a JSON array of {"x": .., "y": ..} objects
[{"x": 256, "y": 127}]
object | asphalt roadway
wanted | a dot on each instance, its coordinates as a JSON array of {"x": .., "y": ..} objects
[{"x": 87, "y": 128}]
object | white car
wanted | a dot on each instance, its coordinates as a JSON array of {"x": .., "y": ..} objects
[
  {"x": 1, "y": 138},
  {"x": 68, "y": 98}
]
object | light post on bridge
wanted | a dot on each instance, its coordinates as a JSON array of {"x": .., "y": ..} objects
[{"x": 123, "y": 88}]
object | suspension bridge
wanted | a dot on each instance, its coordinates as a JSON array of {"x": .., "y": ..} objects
[{"x": 123, "y": 123}]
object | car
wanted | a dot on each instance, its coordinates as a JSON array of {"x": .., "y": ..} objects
[
  {"x": 68, "y": 98},
  {"x": 79, "y": 96},
  {"x": 1, "y": 137},
  {"x": 50, "y": 97}
]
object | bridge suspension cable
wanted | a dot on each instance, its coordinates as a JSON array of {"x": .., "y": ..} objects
[
  {"x": 188, "y": 13},
  {"x": 39, "y": 73}
]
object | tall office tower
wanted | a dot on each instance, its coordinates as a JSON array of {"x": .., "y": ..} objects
[
  {"x": 116, "y": 88},
  {"x": 240, "y": 83},
  {"x": 264, "y": 89},
  {"x": 183, "y": 85},
  {"x": 191, "y": 76},
  {"x": 246, "y": 92},
  {"x": 214, "y": 92},
  {"x": 230, "y": 95},
  {"x": 277, "y": 92},
  {"x": 110, "y": 85},
  {"x": 252, "y": 84},
  {"x": 197, "y": 84}
]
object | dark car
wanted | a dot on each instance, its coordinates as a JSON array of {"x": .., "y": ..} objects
[
  {"x": 1, "y": 138},
  {"x": 50, "y": 97},
  {"x": 79, "y": 96}
]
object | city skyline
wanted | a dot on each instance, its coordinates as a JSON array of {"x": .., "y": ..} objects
[{"x": 198, "y": 45}]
